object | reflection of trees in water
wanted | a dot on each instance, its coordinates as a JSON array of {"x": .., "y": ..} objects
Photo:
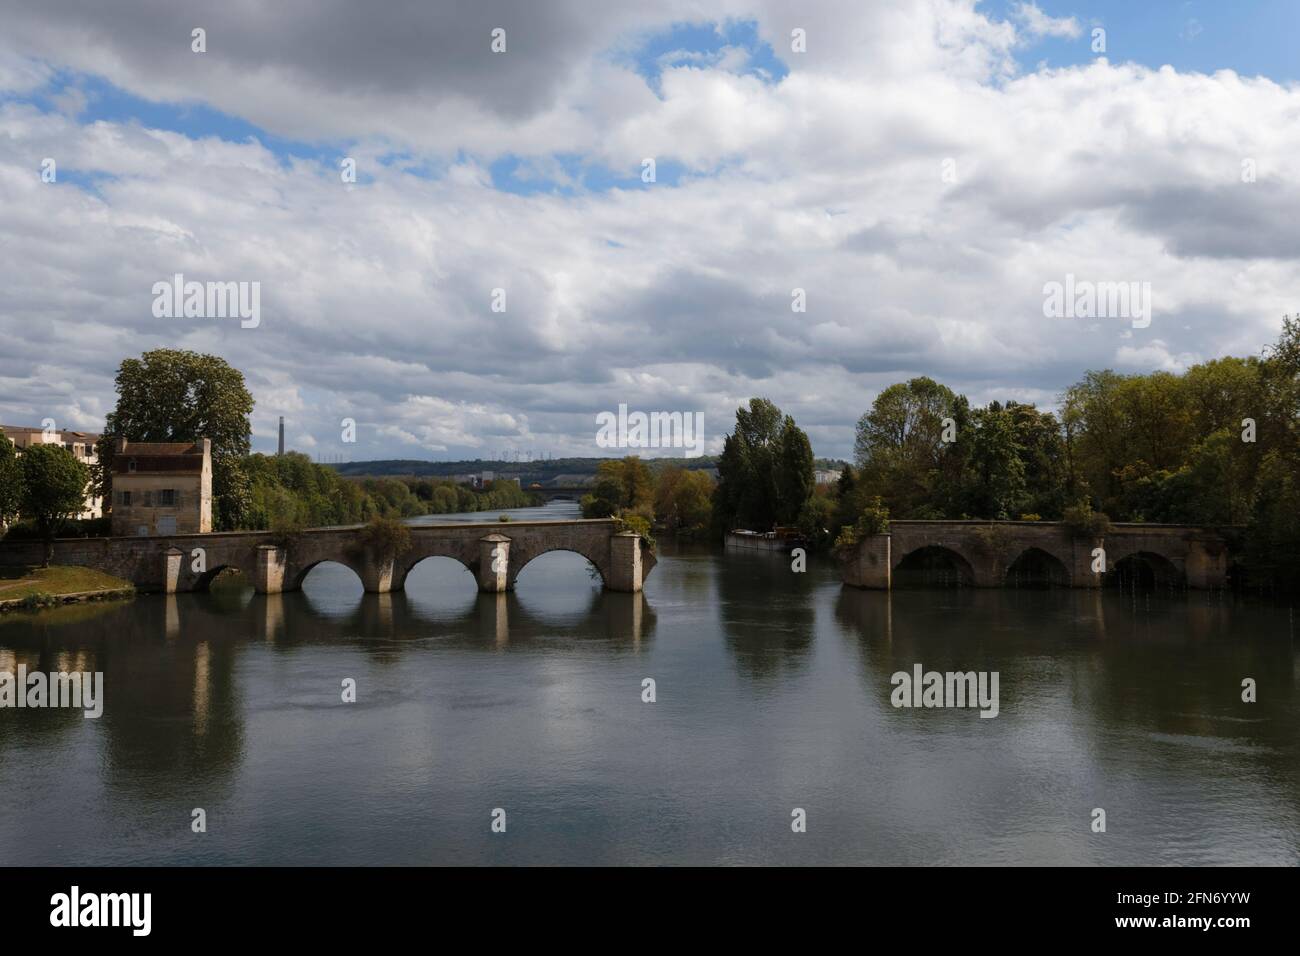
[
  {"x": 699, "y": 565},
  {"x": 1121, "y": 666},
  {"x": 34, "y": 639},
  {"x": 1182, "y": 661},
  {"x": 967, "y": 629},
  {"x": 766, "y": 611},
  {"x": 171, "y": 710}
]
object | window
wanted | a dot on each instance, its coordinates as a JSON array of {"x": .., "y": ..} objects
[
  {"x": 148, "y": 499},
  {"x": 130, "y": 466},
  {"x": 124, "y": 499},
  {"x": 167, "y": 498}
]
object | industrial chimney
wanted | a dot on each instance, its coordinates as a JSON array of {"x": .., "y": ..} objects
[{"x": 281, "y": 451}]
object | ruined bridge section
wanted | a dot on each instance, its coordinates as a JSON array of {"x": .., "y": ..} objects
[
  {"x": 988, "y": 553},
  {"x": 494, "y": 553}
]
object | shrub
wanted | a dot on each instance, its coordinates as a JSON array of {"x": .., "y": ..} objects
[
  {"x": 846, "y": 539},
  {"x": 873, "y": 520},
  {"x": 286, "y": 528},
  {"x": 627, "y": 520},
  {"x": 384, "y": 540},
  {"x": 77, "y": 528},
  {"x": 1084, "y": 522}
]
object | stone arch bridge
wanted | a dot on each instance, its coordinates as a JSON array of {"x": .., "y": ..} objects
[
  {"x": 494, "y": 553},
  {"x": 993, "y": 553}
]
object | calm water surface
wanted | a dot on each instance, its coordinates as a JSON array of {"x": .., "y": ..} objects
[{"x": 773, "y": 693}]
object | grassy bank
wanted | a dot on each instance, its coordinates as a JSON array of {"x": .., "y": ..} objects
[{"x": 37, "y": 587}]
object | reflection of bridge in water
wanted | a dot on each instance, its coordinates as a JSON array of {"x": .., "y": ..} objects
[
  {"x": 493, "y": 553},
  {"x": 991, "y": 554}
]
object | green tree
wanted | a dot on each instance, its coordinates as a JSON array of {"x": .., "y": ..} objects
[
  {"x": 54, "y": 490},
  {"x": 383, "y": 540},
  {"x": 794, "y": 476},
  {"x": 623, "y": 485},
  {"x": 683, "y": 500},
  {"x": 1273, "y": 535},
  {"x": 171, "y": 395},
  {"x": 996, "y": 470},
  {"x": 765, "y": 471},
  {"x": 11, "y": 482},
  {"x": 900, "y": 447}
]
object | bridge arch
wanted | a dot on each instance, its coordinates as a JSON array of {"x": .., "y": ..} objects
[
  {"x": 461, "y": 554},
  {"x": 1037, "y": 567},
  {"x": 933, "y": 565},
  {"x": 521, "y": 560},
  {"x": 434, "y": 561},
  {"x": 203, "y": 582},
  {"x": 1144, "y": 569},
  {"x": 301, "y": 575}
]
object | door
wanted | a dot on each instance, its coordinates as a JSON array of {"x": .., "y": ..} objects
[{"x": 166, "y": 524}]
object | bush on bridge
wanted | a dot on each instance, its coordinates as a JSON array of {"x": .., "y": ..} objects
[
  {"x": 874, "y": 519},
  {"x": 1084, "y": 522},
  {"x": 384, "y": 540}
]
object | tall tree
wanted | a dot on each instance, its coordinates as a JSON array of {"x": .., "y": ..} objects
[
  {"x": 900, "y": 445},
  {"x": 11, "y": 482},
  {"x": 54, "y": 490},
  {"x": 794, "y": 477},
  {"x": 622, "y": 485},
  {"x": 765, "y": 473},
  {"x": 171, "y": 395},
  {"x": 995, "y": 466}
]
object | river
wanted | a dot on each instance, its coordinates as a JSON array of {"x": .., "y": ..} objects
[{"x": 772, "y": 696}]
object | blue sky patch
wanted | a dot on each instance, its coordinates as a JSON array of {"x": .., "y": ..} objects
[{"x": 705, "y": 44}]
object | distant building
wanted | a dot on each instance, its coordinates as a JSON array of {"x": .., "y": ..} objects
[
  {"x": 162, "y": 487},
  {"x": 81, "y": 444},
  {"x": 826, "y": 477}
]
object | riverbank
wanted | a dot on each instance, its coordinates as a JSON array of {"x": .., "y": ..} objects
[{"x": 31, "y": 587}]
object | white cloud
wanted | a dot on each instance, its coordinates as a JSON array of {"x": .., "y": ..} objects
[
  {"x": 1036, "y": 23},
  {"x": 376, "y": 297}
]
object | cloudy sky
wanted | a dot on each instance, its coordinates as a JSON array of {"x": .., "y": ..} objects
[{"x": 920, "y": 170}]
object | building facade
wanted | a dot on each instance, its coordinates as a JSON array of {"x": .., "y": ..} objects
[
  {"x": 80, "y": 444},
  {"x": 162, "y": 488}
]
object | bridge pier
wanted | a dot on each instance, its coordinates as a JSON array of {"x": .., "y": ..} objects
[
  {"x": 870, "y": 565},
  {"x": 1207, "y": 564},
  {"x": 268, "y": 576},
  {"x": 380, "y": 577},
  {"x": 173, "y": 561},
  {"x": 625, "y": 562},
  {"x": 1081, "y": 573},
  {"x": 494, "y": 564}
]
